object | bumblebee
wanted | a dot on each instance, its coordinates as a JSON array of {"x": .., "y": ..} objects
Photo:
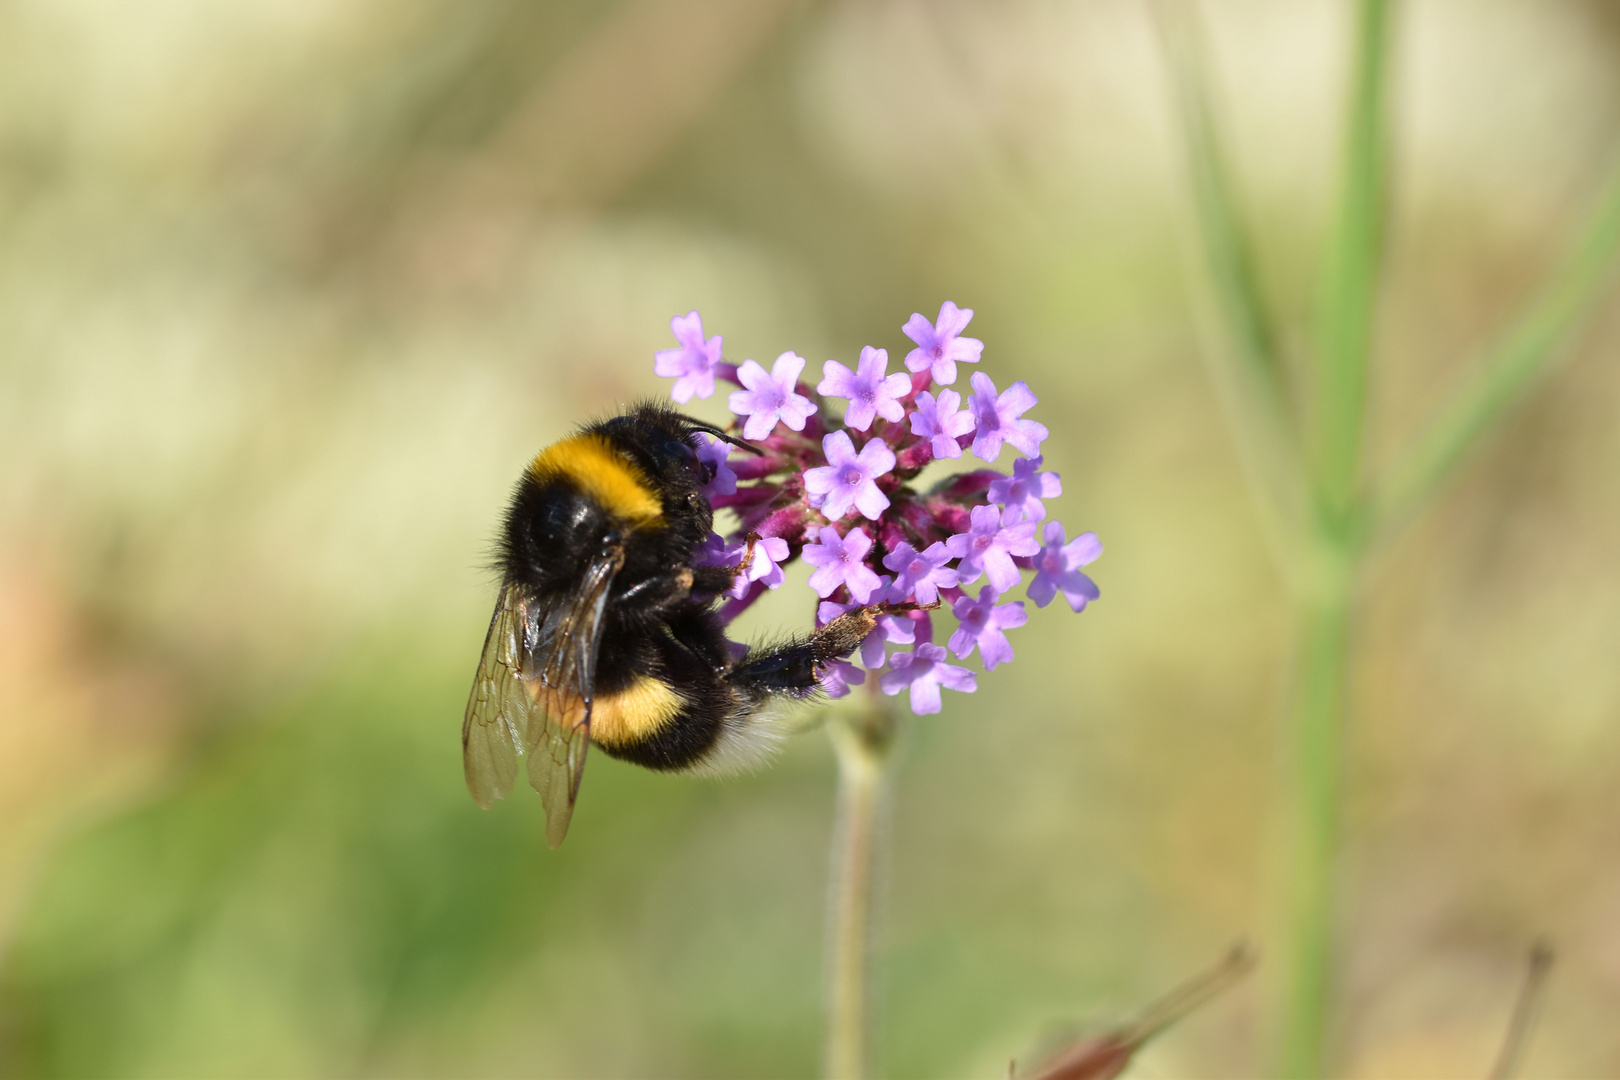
[{"x": 605, "y": 632}]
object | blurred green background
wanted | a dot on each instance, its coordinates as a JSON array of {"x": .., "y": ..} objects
[{"x": 289, "y": 293}]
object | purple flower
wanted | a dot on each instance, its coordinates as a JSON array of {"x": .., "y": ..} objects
[
  {"x": 712, "y": 454},
  {"x": 939, "y": 349},
  {"x": 691, "y": 365},
  {"x": 717, "y": 551},
  {"x": 838, "y": 562},
  {"x": 989, "y": 545},
  {"x": 920, "y": 575},
  {"x": 1057, "y": 568},
  {"x": 840, "y": 502},
  {"x": 762, "y": 565},
  {"x": 940, "y": 423},
  {"x": 771, "y": 397},
  {"x": 983, "y": 621},
  {"x": 839, "y": 676},
  {"x": 998, "y": 419},
  {"x": 925, "y": 671},
  {"x": 849, "y": 480},
  {"x": 1025, "y": 488},
  {"x": 871, "y": 392}
]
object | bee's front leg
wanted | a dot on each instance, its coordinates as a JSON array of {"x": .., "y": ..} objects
[
  {"x": 661, "y": 589},
  {"x": 722, "y": 579}
]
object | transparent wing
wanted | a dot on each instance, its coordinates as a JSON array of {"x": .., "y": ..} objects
[
  {"x": 560, "y": 666},
  {"x": 501, "y": 709}
]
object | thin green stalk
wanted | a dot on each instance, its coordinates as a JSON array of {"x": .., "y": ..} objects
[
  {"x": 864, "y": 743},
  {"x": 1509, "y": 368},
  {"x": 1348, "y": 308},
  {"x": 1226, "y": 242},
  {"x": 1350, "y": 279},
  {"x": 1250, "y": 376},
  {"x": 1312, "y": 808}
]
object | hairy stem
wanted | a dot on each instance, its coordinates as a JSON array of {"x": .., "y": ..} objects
[{"x": 864, "y": 742}]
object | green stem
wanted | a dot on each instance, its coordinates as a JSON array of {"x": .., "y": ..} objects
[
  {"x": 1350, "y": 280},
  {"x": 1226, "y": 242},
  {"x": 1312, "y": 809},
  {"x": 1349, "y": 297},
  {"x": 1523, "y": 354},
  {"x": 1249, "y": 376},
  {"x": 864, "y": 743}
]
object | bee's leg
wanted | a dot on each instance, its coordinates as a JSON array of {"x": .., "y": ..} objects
[
  {"x": 698, "y": 631},
  {"x": 662, "y": 588},
  {"x": 719, "y": 579},
  {"x": 795, "y": 668}
]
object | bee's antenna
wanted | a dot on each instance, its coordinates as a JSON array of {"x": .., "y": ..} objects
[{"x": 710, "y": 429}]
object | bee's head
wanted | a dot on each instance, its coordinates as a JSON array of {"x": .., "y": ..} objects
[{"x": 666, "y": 436}]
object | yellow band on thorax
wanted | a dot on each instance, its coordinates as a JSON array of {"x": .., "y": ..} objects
[{"x": 591, "y": 462}]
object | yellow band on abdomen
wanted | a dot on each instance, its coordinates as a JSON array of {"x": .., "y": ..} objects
[{"x": 634, "y": 714}]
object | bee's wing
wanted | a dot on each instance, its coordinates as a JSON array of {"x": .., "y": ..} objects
[
  {"x": 501, "y": 709},
  {"x": 563, "y": 641}
]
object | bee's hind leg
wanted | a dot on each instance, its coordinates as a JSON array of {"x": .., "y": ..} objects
[{"x": 795, "y": 667}]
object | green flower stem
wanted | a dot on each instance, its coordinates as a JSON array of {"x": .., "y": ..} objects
[
  {"x": 1226, "y": 242},
  {"x": 1350, "y": 278},
  {"x": 1249, "y": 376},
  {"x": 1311, "y": 807},
  {"x": 1311, "y": 800},
  {"x": 1525, "y": 352},
  {"x": 864, "y": 742},
  {"x": 1308, "y": 475}
]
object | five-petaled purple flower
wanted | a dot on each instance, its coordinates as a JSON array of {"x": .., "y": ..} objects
[
  {"x": 1057, "y": 568},
  {"x": 770, "y": 397},
  {"x": 1025, "y": 488},
  {"x": 983, "y": 623},
  {"x": 849, "y": 479},
  {"x": 870, "y": 391},
  {"x": 989, "y": 545},
  {"x": 940, "y": 423},
  {"x": 939, "y": 346},
  {"x": 997, "y": 418},
  {"x": 920, "y": 574},
  {"x": 838, "y": 561},
  {"x": 692, "y": 365},
  {"x": 925, "y": 671},
  {"x": 915, "y": 551}
]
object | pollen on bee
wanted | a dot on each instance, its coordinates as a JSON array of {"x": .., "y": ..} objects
[{"x": 591, "y": 462}]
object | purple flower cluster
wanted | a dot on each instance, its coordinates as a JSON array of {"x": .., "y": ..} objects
[{"x": 839, "y": 493}]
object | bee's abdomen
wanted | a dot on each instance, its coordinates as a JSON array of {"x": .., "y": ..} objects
[{"x": 670, "y": 714}]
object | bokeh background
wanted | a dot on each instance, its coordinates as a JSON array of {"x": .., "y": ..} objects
[{"x": 289, "y": 293}]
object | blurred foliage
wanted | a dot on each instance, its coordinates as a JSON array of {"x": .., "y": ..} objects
[{"x": 289, "y": 291}]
